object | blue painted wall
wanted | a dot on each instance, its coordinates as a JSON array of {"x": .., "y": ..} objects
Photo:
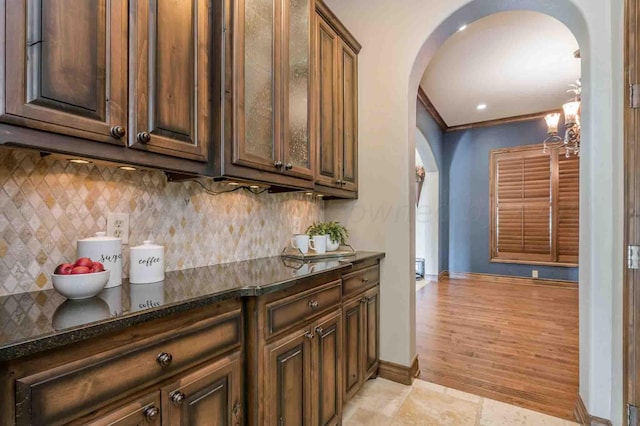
[
  {"x": 434, "y": 135},
  {"x": 465, "y": 179}
]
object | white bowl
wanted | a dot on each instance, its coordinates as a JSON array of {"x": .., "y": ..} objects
[{"x": 80, "y": 286}]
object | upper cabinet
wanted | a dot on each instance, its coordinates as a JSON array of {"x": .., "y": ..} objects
[
  {"x": 269, "y": 95},
  {"x": 66, "y": 67},
  {"x": 170, "y": 77},
  {"x": 336, "y": 100}
]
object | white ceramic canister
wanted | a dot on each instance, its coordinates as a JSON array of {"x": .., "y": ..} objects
[
  {"x": 106, "y": 250},
  {"x": 146, "y": 264}
]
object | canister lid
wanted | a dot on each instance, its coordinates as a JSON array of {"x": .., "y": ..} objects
[
  {"x": 147, "y": 244},
  {"x": 100, "y": 236}
]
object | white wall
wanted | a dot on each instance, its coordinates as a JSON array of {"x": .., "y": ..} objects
[
  {"x": 396, "y": 50},
  {"x": 427, "y": 224}
]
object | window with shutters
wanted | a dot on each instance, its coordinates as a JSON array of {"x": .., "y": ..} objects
[{"x": 534, "y": 198}]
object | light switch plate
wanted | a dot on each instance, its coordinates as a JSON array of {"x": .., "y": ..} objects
[
  {"x": 534, "y": 273},
  {"x": 118, "y": 226}
]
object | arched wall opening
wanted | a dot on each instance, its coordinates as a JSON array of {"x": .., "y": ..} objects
[
  {"x": 399, "y": 41},
  {"x": 428, "y": 209}
]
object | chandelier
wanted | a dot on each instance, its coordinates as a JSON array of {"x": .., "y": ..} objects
[{"x": 571, "y": 141}]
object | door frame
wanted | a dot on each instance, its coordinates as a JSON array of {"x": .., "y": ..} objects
[{"x": 631, "y": 290}]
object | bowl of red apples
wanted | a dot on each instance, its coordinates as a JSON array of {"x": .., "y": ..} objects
[{"x": 80, "y": 280}]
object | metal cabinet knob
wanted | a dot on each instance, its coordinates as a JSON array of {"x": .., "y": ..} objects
[
  {"x": 338, "y": 182},
  {"x": 118, "y": 132},
  {"x": 313, "y": 304},
  {"x": 365, "y": 280},
  {"x": 278, "y": 164},
  {"x": 319, "y": 330},
  {"x": 308, "y": 335},
  {"x": 144, "y": 137},
  {"x": 151, "y": 412},
  {"x": 164, "y": 359},
  {"x": 288, "y": 166},
  {"x": 343, "y": 182},
  {"x": 177, "y": 397}
]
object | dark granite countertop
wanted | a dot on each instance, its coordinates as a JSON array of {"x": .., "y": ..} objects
[{"x": 37, "y": 321}]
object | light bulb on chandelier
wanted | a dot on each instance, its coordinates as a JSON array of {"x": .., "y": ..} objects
[{"x": 571, "y": 140}]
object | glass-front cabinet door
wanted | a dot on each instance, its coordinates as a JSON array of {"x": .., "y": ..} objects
[
  {"x": 296, "y": 129},
  {"x": 273, "y": 73}
]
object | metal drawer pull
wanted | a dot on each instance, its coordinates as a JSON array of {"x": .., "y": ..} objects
[
  {"x": 177, "y": 397},
  {"x": 164, "y": 359},
  {"x": 151, "y": 412},
  {"x": 313, "y": 304},
  {"x": 308, "y": 335}
]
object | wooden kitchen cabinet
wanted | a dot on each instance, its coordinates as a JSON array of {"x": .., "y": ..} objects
[
  {"x": 303, "y": 382},
  {"x": 196, "y": 355},
  {"x": 336, "y": 99},
  {"x": 138, "y": 75},
  {"x": 171, "y": 77},
  {"x": 268, "y": 93},
  {"x": 209, "y": 396},
  {"x": 361, "y": 312},
  {"x": 65, "y": 67}
]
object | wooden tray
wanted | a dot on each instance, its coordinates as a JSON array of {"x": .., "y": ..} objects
[{"x": 294, "y": 253}]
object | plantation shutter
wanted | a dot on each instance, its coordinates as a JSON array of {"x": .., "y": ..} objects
[
  {"x": 568, "y": 208},
  {"x": 523, "y": 206}
]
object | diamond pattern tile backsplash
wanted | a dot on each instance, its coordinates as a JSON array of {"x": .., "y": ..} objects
[{"x": 48, "y": 204}]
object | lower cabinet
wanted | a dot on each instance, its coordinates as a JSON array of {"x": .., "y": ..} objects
[
  {"x": 208, "y": 396},
  {"x": 361, "y": 339},
  {"x": 303, "y": 381},
  {"x": 140, "y": 411}
]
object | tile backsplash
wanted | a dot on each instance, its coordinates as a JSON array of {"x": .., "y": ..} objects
[{"x": 48, "y": 204}]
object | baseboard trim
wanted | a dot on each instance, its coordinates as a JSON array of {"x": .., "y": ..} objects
[
  {"x": 512, "y": 279},
  {"x": 584, "y": 418},
  {"x": 399, "y": 373},
  {"x": 442, "y": 275}
]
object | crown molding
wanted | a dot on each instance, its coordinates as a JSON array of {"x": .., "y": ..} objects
[{"x": 431, "y": 109}]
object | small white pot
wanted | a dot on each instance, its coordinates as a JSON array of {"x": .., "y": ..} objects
[
  {"x": 146, "y": 264},
  {"x": 332, "y": 245}
]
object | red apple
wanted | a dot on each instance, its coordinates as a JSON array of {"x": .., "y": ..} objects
[
  {"x": 63, "y": 269},
  {"x": 80, "y": 270},
  {"x": 84, "y": 261},
  {"x": 97, "y": 267}
]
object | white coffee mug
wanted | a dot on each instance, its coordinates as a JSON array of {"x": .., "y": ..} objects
[
  {"x": 301, "y": 242},
  {"x": 319, "y": 244}
]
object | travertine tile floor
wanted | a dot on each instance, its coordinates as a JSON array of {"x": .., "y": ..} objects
[{"x": 382, "y": 402}]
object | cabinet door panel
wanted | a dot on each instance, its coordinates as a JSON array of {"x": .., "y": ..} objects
[
  {"x": 329, "y": 369},
  {"x": 68, "y": 66},
  {"x": 257, "y": 82},
  {"x": 348, "y": 111},
  {"x": 288, "y": 387},
  {"x": 353, "y": 347},
  {"x": 209, "y": 396},
  {"x": 371, "y": 315},
  {"x": 171, "y": 77},
  {"x": 328, "y": 172},
  {"x": 297, "y": 75}
]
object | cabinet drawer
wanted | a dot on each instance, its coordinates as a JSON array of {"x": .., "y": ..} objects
[
  {"x": 291, "y": 311},
  {"x": 63, "y": 393},
  {"x": 359, "y": 281}
]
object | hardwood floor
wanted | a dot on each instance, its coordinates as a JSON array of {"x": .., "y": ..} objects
[{"x": 515, "y": 343}]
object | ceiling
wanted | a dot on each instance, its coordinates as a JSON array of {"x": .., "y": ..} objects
[{"x": 516, "y": 63}]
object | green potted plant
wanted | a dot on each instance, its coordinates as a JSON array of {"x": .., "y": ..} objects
[{"x": 335, "y": 232}]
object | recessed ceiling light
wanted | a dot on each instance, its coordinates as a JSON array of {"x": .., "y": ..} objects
[
  {"x": 462, "y": 28},
  {"x": 127, "y": 168},
  {"x": 79, "y": 161},
  {"x": 481, "y": 107}
]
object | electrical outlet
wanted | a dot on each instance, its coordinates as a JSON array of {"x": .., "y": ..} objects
[
  {"x": 118, "y": 226},
  {"x": 534, "y": 273}
]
